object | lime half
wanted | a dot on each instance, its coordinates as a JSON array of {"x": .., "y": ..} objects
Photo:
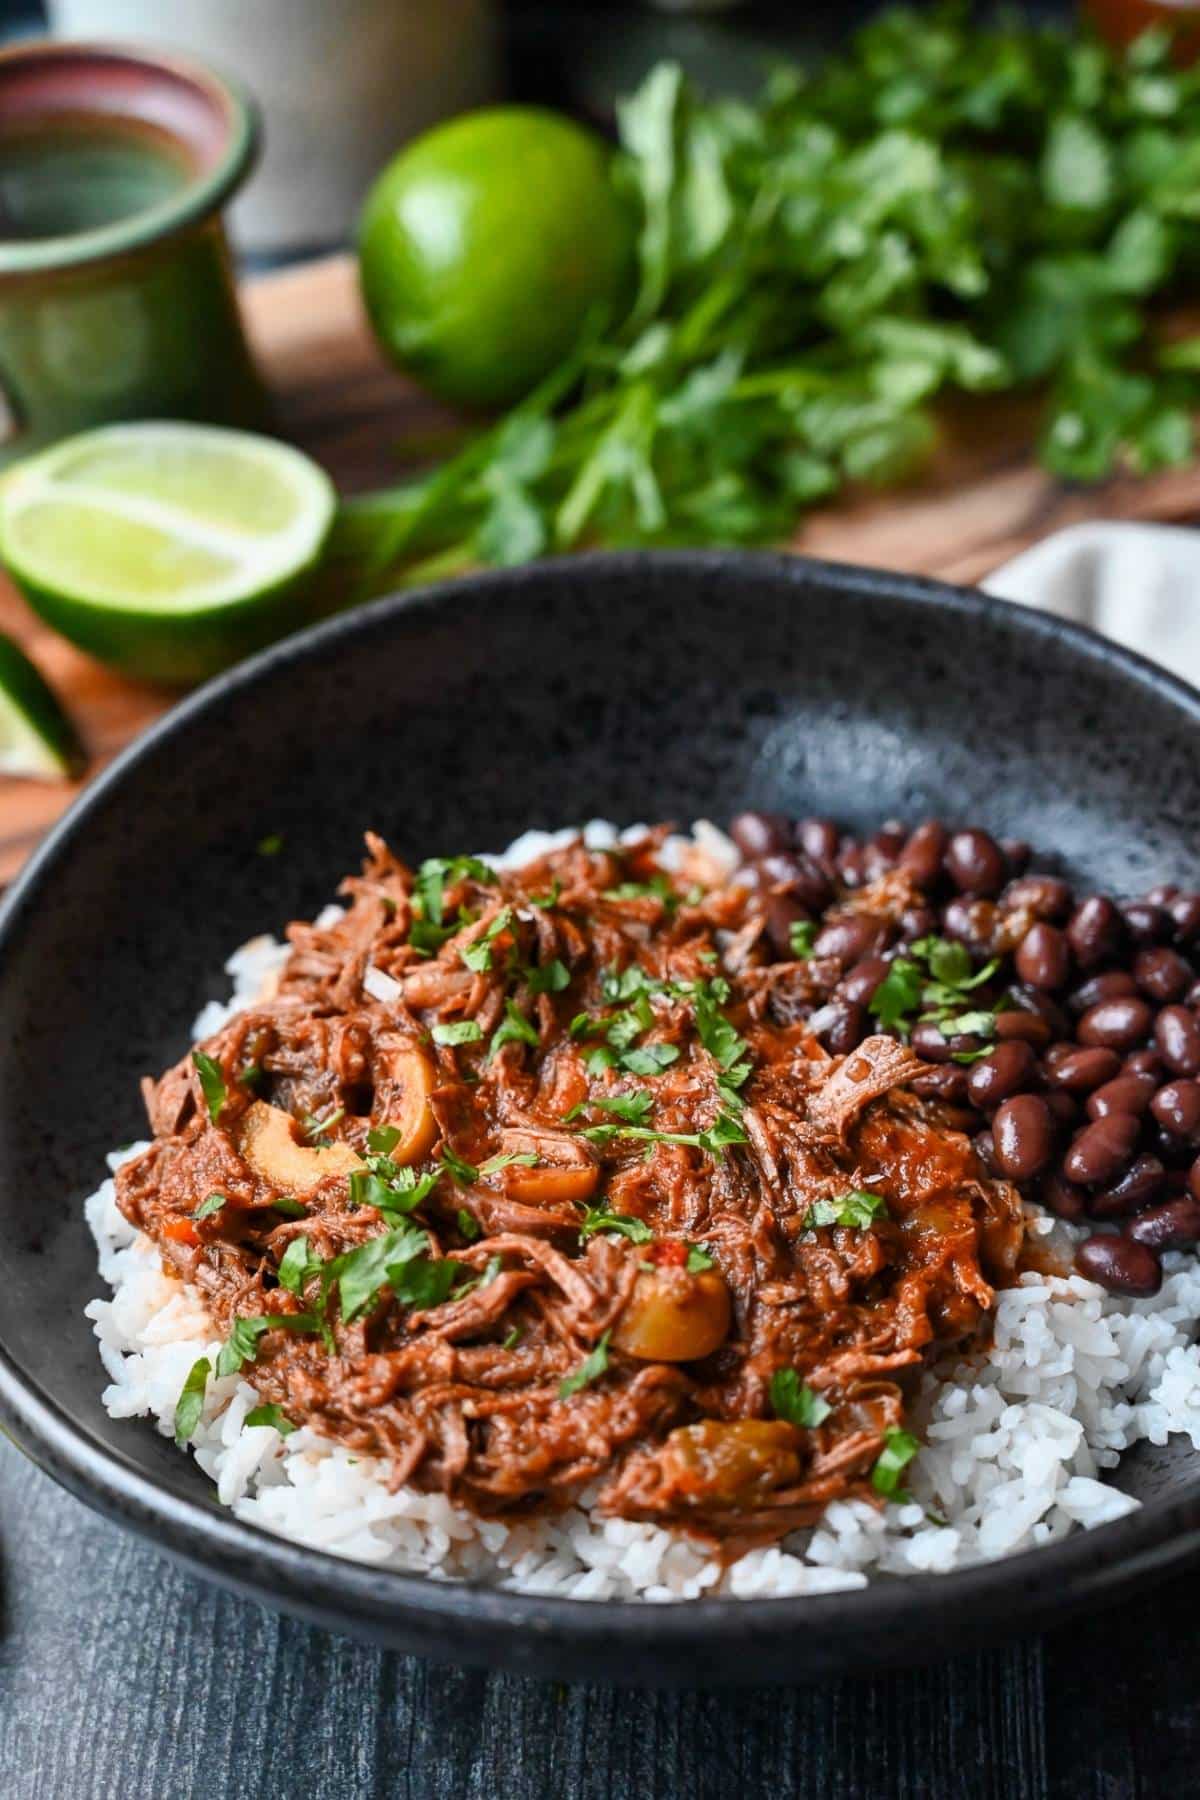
[
  {"x": 36, "y": 736},
  {"x": 169, "y": 550}
]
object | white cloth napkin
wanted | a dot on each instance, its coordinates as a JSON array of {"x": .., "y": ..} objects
[{"x": 1139, "y": 584}]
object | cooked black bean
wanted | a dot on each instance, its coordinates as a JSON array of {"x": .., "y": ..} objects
[
  {"x": 1101, "y": 1150},
  {"x": 1140, "y": 1186},
  {"x": 947, "y": 1083},
  {"x": 1114, "y": 984},
  {"x": 1079, "y": 1070},
  {"x": 851, "y": 865},
  {"x": 1173, "y": 1225},
  {"x": 1045, "y": 896},
  {"x": 759, "y": 833},
  {"x": 1124, "y": 1093},
  {"x": 818, "y": 838},
  {"x": 1147, "y": 923},
  {"x": 1162, "y": 973},
  {"x": 975, "y": 863},
  {"x": 985, "y": 1150},
  {"x": 1177, "y": 1036},
  {"x": 1017, "y": 855},
  {"x": 1120, "y": 1265},
  {"x": 1023, "y": 1133},
  {"x": 971, "y": 922},
  {"x": 1116, "y": 1024},
  {"x": 841, "y": 1026},
  {"x": 862, "y": 980},
  {"x": 848, "y": 940},
  {"x": 890, "y": 839},
  {"x": 1048, "y": 1010},
  {"x": 1193, "y": 1179},
  {"x": 1095, "y": 931},
  {"x": 1162, "y": 894},
  {"x": 928, "y": 1042},
  {"x": 1176, "y": 1152},
  {"x": 798, "y": 875},
  {"x": 917, "y": 922},
  {"x": 1063, "y": 1106},
  {"x": 1177, "y": 1109},
  {"x": 1008, "y": 1069},
  {"x": 1043, "y": 957},
  {"x": 1062, "y": 1197},
  {"x": 1023, "y": 1027},
  {"x": 1192, "y": 998},
  {"x": 1185, "y": 911},
  {"x": 922, "y": 854},
  {"x": 784, "y": 911},
  {"x": 1144, "y": 1062}
]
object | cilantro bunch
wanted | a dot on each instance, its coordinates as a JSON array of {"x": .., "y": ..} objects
[{"x": 945, "y": 206}]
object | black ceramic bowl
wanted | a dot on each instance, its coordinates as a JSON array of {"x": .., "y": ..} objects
[{"x": 623, "y": 687}]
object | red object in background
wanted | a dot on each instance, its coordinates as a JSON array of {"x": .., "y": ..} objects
[{"x": 1121, "y": 21}]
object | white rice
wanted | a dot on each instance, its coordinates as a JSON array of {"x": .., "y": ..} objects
[{"x": 1015, "y": 1443}]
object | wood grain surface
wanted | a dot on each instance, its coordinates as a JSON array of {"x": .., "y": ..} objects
[
  {"x": 982, "y": 500},
  {"x": 122, "y": 1678}
]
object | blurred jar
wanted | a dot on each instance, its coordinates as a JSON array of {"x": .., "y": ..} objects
[
  {"x": 1121, "y": 21},
  {"x": 341, "y": 83}
]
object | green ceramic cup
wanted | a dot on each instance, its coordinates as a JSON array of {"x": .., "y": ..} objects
[{"x": 116, "y": 292}]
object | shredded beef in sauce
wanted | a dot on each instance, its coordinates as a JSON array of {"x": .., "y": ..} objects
[{"x": 554, "y": 1358}]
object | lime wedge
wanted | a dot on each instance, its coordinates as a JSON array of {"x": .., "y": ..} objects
[
  {"x": 169, "y": 550},
  {"x": 36, "y": 736}
]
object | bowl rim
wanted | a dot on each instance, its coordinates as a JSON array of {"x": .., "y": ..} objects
[{"x": 1082, "y": 1569}]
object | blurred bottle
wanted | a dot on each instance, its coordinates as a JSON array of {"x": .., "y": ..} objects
[
  {"x": 1120, "y": 21},
  {"x": 341, "y": 83}
]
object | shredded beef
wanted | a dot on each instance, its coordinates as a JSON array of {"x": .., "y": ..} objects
[{"x": 622, "y": 1302}]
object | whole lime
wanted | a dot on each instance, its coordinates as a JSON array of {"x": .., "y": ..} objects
[{"x": 484, "y": 245}]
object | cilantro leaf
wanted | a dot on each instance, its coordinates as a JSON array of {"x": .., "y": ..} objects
[
  {"x": 241, "y": 1346},
  {"x": 212, "y": 1083},
  {"x": 802, "y": 934},
  {"x": 298, "y": 1264},
  {"x": 463, "y": 1172},
  {"x": 698, "y": 1260},
  {"x": 899, "y": 1448},
  {"x": 514, "y": 1028},
  {"x": 478, "y": 955},
  {"x": 795, "y": 1401},
  {"x": 190, "y": 1404},
  {"x": 360, "y": 1273},
  {"x": 650, "y": 1059},
  {"x": 589, "y": 1370},
  {"x": 857, "y": 1210},
  {"x": 382, "y": 1139},
  {"x": 460, "y": 1031},
  {"x": 548, "y": 978},
  {"x": 211, "y": 1205},
  {"x": 598, "y": 1219},
  {"x": 270, "y": 1414}
]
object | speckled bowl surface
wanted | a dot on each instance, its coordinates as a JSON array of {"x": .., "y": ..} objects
[{"x": 630, "y": 687}]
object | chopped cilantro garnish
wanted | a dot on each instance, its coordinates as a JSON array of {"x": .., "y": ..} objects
[
  {"x": 468, "y": 1225},
  {"x": 657, "y": 888},
  {"x": 857, "y": 1210},
  {"x": 548, "y": 978},
  {"x": 718, "y": 1036},
  {"x": 599, "y": 1059},
  {"x": 211, "y": 1205},
  {"x": 463, "y": 1172},
  {"x": 360, "y": 1273},
  {"x": 241, "y": 1346},
  {"x": 724, "y": 1131},
  {"x": 190, "y": 1403},
  {"x": 650, "y": 1059},
  {"x": 382, "y": 1139},
  {"x": 589, "y": 1370},
  {"x": 389, "y": 1189},
  {"x": 513, "y": 1028},
  {"x": 270, "y": 1414},
  {"x": 698, "y": 1260},
  {"x": 597, "y": 1219},
  {"x": 298, "y": 1264},
  {"x": 633, "y": 1108},
  {"x": 550, "y": 898},
  {"x": 525, "y": 1159},
  {"x": 212, "y": 1083},
  {"x": 899, "y": 1448},
  {"x": 934, "y": 982},
  {"x": 478, "y": 955},
  {"x": 793, "y": 1400},
  {"x": 460, "y": 1031},
  {"x": 290, "y": 1207},
  {"x": 270, "y": 845},
  {"x": 513, "y": 1338},
  {"x": 801, "y": 937},
  {"x": 315, "y": 1128}
]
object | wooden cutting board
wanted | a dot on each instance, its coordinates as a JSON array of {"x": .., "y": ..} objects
[{"x": 981, "y": 501}]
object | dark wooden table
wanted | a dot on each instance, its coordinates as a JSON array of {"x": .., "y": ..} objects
[{"x": 122, "y": 1678}]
